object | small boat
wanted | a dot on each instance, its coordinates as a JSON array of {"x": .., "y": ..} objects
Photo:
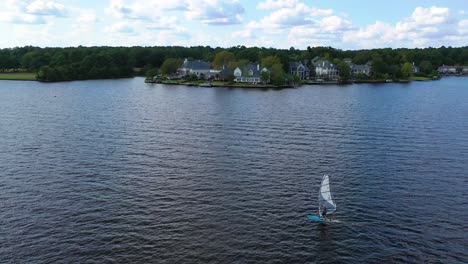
[{"x": 325, "y": 201}]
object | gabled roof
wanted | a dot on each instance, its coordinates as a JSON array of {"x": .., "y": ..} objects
[
  {"x": 196, "y": 65},
  {"x": 324, "y": 64},
  {"x": 251, "y": 67},
  {"x": 293, "y": 65}
]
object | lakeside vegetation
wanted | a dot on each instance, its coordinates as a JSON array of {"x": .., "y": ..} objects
[
  {"x": 79, "y": 63},
  {"x": 23, "y": 76}
]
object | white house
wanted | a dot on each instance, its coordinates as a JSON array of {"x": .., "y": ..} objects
[
  {"x": 325, "y": 69},
  {"x": 359, "y": 68},
  {"x": 444, "y": 69},
  {"x": 250, "y": 73}
]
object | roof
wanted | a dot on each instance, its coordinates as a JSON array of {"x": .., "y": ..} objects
[
  {"x": 324, "y": 64},
  {"x": 293, "y": 65},
  {"x": 196, "y": 65},
  {"x": 251, "y": 67},
  {"x": 225, "y": 73},
  {"x": 361, "y": 67}
]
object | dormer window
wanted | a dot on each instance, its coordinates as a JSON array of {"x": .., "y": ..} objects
[{"x": 250, "y": 72}]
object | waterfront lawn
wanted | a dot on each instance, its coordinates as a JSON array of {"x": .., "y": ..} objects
[
  {"x": 420, "y": 78},
  {"x": 25, "y": 76}
]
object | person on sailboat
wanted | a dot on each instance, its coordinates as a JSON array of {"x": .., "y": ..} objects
[{"x": 324, "y": 211}]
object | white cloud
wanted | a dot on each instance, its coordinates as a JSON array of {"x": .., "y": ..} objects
[
  {"x": 18, "y": 18},
  {"x": 292, "y": 18},
  {"x": 31, "y": 12},
  {"x": 335, "y": 24},
  {"x": 285, "y": 17},
  {"x": 215, "y": 12},
  {"x": 372, "y": 35},
  {"x": 163, "y": 23},
  {"x": 121, "y": 27},
  {"x": 276, "y": 4},
  {"x": 430, "y": 16},
  {"x": 45, "y": 8},
  {"x": 87, "y": 16},
  {"x": 463, "y": 27},
  {"x": 425, "y": 27},
  {"x": 212, "y": 12}
]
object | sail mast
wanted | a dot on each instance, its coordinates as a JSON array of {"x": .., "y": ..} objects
[{"x": 325, "y": 197}]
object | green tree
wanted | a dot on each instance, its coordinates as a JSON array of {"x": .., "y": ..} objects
[
  {"x": 269, "y": 61},
  {"x": 426, "y": 66},
  {"x": 265, "y": 76},
  {"x": 344, "y": 70},
  {"x": 296, "y": 79},
  {"x": 223, "y": 58},
  {"x": 277, "y": 74},
  {"x": 406, "y": 70},
  {"x": 379, "y": 68},
  {"x": 152, "y": 72},
  {"x": 170, "y": 66}
]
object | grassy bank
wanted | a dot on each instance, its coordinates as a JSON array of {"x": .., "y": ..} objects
[
  {"x": 22, "y": 76},
  {"x": 420, "y": 78}
]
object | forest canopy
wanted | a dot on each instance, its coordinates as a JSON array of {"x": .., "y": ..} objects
[{"x": 79, "y": 63}]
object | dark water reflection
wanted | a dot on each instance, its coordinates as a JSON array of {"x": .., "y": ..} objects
[{"x": 122, "y": 171}]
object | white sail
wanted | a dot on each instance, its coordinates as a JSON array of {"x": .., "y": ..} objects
[{"x": 325, "y": 197}]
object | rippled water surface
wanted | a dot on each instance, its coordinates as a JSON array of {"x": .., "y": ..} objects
[{"x": 128, "y": 172}]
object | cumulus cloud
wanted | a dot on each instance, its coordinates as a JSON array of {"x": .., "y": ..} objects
[
  {"x": 426, "y": 26},
  {"x": 430, "y": 16},
  {"x": 276, "y": 4},
  {"x": 212, "y": 12},
  {"x": 215, "y": 12},
  {"x": 295, "y": 19},
  {"x": 120, "y": 27},
  {"x": 45, "y": 8},
  {"x": 291, "y": 13},
  {"x": 31, "y": 12},
  {"x": 18, "y": 18}
]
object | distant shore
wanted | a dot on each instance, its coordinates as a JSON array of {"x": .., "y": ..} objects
[{"x": 31, "y": 76}]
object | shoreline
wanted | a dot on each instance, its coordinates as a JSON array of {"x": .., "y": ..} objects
[
  {"x": 246, "y": 85},
  {"x": 270, "y": 86}
]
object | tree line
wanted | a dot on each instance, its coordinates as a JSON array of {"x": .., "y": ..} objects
[{"x": 78, "y": 63}]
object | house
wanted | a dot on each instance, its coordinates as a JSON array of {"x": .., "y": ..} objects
[
  {"x": 415, "y": 68},
  {"x": 225, "y": 74},
  {"x": 197, "y": 67},
  {"x": 325, "y": 69},
  {"x": 299, "y": 69},
  {"x": 447, "y": 69},
  {"x": 250, "y": 73},
  {"x": 356, "y": 69},
  {"x": 464, "y": 70},
  {"x": 453, "y": 70},
  {"x": 444, "y": 69}
]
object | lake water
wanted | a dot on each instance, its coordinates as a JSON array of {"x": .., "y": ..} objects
[{"x": 119, "y": 171}]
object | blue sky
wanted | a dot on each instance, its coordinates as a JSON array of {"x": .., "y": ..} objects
[{"x": 344, "y": 24}]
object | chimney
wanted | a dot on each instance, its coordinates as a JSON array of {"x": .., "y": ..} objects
[{"x": 258, "y": 67}]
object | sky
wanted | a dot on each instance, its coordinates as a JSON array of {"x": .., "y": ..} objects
[{"x": 343, "y": 24}]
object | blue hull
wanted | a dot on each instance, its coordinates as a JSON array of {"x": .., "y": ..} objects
[{"x": 316, "y": 218}]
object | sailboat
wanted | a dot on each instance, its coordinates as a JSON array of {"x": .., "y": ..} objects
[{"x": 325, "y": 201}]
